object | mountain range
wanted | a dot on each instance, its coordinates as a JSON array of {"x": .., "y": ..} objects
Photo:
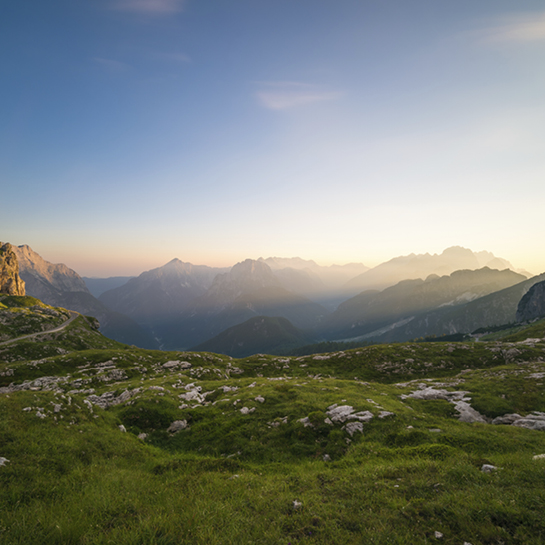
[{"x": 288, "y": 301}]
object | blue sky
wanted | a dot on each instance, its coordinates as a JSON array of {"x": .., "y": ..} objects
[{"x": 136, "y": 131}]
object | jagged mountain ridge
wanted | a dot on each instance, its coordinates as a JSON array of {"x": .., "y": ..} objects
[
  {"x": 161, "y": 292},
  {"x": 422, "y": 265},
  {"x": 45, "y": 280}
]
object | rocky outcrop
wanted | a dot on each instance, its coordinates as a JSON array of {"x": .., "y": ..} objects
[
  {"x": 10, "y": 281},
  {"x": 532, "y": 305}
]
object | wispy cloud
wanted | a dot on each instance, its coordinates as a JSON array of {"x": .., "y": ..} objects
[
  {"x": 111, "y": 65},
  {"x": 284, "y": 95},
  {"x": 153, "y": 7},
  {"x": 519, "y": 28}
]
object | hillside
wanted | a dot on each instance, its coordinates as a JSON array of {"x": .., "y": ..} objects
[
  {"x": 260, "y": 334},
  {"x": 401, "y": 443},
  {"x": 495, "y": 309},
  {"x": 394, "y": 307}
]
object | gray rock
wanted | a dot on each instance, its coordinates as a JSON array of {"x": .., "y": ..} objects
[
  {"x": 353, "y": 427},
  {"x": 3, "y": 460},
  {"x": 306, "y": 422},
  {"x": 430, "y": 392},
  {"x": 530, "y": 423},
  {"x": 177, "y": 425},
  {"x": 488, "y": 468},
  {"x": 468, "y": 414},
  {"x": 507, "y": 419}
]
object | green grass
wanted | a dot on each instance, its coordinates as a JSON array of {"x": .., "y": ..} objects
[{"x": 74, "y": 477}]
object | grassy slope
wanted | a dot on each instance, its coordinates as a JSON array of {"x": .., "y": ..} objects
[
  {"x": 23, "y": 315},
  {"x": 75, "y": 477}
]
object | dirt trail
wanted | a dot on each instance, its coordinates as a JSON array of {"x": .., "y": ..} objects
[{"x": 73, "y": 316}]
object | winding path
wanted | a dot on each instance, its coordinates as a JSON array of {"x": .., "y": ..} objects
[{"x": 73, "y": 316}]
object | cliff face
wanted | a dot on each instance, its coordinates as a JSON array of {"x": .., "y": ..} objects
[
  {"x": 532, "y": 305},
  {"x": 10, "y": 281},
  {"x": 47, "y": 281}
]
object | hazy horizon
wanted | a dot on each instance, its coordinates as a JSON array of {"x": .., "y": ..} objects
[
  {"x": 137, "y": 131},
  {"x": 118, "y": 268}
]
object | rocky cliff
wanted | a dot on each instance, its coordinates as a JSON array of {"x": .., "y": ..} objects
[
  {"x": 532, "y": 305},
  {"x": 47, "y": 281},
  {"x": 10, "y": 281}
]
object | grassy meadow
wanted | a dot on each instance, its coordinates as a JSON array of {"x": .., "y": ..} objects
[{"x": 89, "y": 453}]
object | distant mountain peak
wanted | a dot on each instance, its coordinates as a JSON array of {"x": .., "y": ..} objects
[{"x": 422, "y": 265}]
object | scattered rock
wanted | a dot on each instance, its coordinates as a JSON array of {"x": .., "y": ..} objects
[
  {"x": 247, "y": 410},
  {"x": 3, "y": 461},
  {"x": 261, "y": 399},
  {"x": 429, "y": 392},
  {"x": 488, "y": 468},
  {"x": 468, "y": 414},
  {"x": 297, "y": 504},
  {"x": 353, "y": 427},
  {"x": 306, "y": 422},
  {"x": 122, "y": 428},
  {"x": 533, "y": 421},
  {"x": 437, "y": 535},
  {"x": 142, "y": 436},
  {"x": 507, "y": 419},
  {"x": 108, "y": 399},
  {"x": 177, "y": 425},
  {"x": 342, "y": 413}
]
